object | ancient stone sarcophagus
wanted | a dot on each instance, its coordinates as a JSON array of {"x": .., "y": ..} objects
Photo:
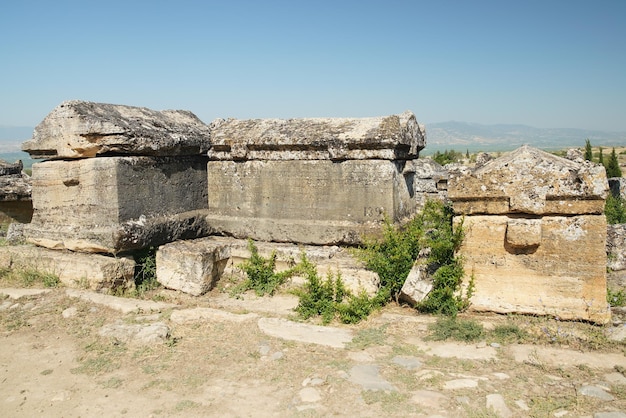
[
  {"x": 118, "y": 177},
  {"x": 313, "y": 181},
  {"x": 535, "y": 235}
]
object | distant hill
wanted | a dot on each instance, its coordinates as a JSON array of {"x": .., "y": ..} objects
[{"x": 462, "y": 136}]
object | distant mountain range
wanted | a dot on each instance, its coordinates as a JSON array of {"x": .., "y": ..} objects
[{"x": 462, "y": 136}]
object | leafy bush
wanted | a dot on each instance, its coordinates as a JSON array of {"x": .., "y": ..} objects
[
  {"x": 392, "y": 257},
  {"x": 615, "y": 210},
  {"x": 509, "y": 333},
  {"x": 329, "y": 298}
]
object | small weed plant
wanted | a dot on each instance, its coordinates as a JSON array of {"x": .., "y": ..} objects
[
  {"x": 29, "y": 277},
  {"x": 616, "y": 298},
  {"x": 261, "y": 273},
  {"x": 145, "y": 271},
  {"x": 457, "y": 329}
]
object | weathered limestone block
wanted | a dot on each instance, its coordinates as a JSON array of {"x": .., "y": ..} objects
[
  {"x": 616, "y": 247},
  {"x": 395, "y": 137},
  {"x": 530, "y": 181},
  {"x": 78, "y": 129},
  {"x": 116, "y": 204},
  {"x": 564, "y": 274},
  {"x": 191, "y": 266},
  {"x": 15, "y": 193},
  {"x": 430, "y": 180},
  {"x": 417, "y": 285},
  {"x": 93, "y": 271},
  {"x": 328, "y": 259},
  {"x": 535, "y": 235},
  {"x": 312, "y": 202}
]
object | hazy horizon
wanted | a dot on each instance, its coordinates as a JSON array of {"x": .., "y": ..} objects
[{"x": 551, "y": 64}]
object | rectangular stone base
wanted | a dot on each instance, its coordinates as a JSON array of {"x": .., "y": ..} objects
[
  {"x": 315, "y": 202},
  {"x": 78, "y": 270},
  {"x": 115, "y": 204},
  {"x": 543, "y": 273}
]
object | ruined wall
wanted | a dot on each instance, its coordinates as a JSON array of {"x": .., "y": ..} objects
[{"x": 535, "y": 235}]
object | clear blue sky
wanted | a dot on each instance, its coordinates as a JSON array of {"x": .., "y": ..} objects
[{"x": 547, "y": 63}]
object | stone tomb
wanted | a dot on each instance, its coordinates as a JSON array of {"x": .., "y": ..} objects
[
  {"x": 311, "y": 181},
  {"x": 115, "y": 204},
  {"x": 535, "y": 235},
  {"x": 118, "y": 178}
]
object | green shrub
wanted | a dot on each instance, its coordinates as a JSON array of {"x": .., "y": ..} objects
[
  {"x": 329, "y": 298},
  {"x": 260, "y": 273},
  {"x": 508, "y": 333},
  {"x": 615, "y": 210},
  {"x": 392, "y": 257}
]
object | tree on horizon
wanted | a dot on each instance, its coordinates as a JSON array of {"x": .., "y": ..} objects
[
  {"x": 612, "y": 167},
  {"x": 588, "y": 152}
]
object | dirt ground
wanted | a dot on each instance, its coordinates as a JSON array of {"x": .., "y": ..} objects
[{"x": 54, "y": 363}]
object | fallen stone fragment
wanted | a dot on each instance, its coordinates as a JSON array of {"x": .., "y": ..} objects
[
  {"x": 192, "y": 266},
  {"x": 18, "y": 292},
  {"x": 429, "y": 398},
  {"x": 417, "y": 285},
  {"x": 614, "y": 414},
  {"x": 144, "y": 334},
  {"x": 93, "y": 271},
  {"x": 496, "y": 402},
  {"x": 460, "y": 384},
  {"x": 595, "y": 392},
  {"x": 124, "y": 305},
  {"x": 208, "y": 314},
  {"x": 310, "y": 395},
  {"x": 409, "y": 363},
  {"x": 368, "y": 377},
  {"x": 305, "y": 333},
  {"x": 69, "y": 312},
  {"x": 78, "y": 129}
]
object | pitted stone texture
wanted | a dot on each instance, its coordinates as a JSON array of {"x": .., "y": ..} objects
[
  {"x": 563, "y": 273},
  {"x": 429, "y": 179},
  {"x": 530, "y": 181},
  {"x": 191, "y": 266},
  {"x": 391, "y": 138},
  {"x": 15, "y": 193},
  {"x": 117, "y": 204},
  {"x": 78, "y": 129},
  {"x": 305, "y": 333},
  {"x": 310, "y": 202},
  {"x": 616, "y": 247},
  {"x": 417, "y": 285},
  {"x": 94, "y": 271}
]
